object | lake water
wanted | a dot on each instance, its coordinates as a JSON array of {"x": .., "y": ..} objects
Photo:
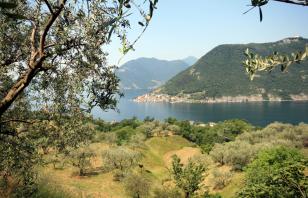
[{"x": 257, "y": 113}]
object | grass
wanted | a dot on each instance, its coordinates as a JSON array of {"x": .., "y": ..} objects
[{"x": 157, "y": 157}]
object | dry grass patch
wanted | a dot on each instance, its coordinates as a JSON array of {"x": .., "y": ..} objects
[{"x": 184, "y": 154}]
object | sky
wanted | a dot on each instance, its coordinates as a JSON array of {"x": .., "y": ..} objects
[{"x": 182, "y": 28}]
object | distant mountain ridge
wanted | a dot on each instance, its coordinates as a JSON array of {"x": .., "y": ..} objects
[
  {"x": 219, "y": 76},
  {"x": 190, "y": 60},
  {"x": 148, "y": 73}
]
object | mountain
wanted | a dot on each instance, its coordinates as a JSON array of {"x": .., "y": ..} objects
[
  {"x": 219, "y": 76},
  {"x": 190, "y": 60},
  {"x": 148, "y": 73}
]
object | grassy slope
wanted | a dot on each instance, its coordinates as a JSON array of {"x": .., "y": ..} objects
[{"x": 157, "y": 156}]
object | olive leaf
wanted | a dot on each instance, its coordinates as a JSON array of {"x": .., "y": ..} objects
[{"x": 255, "y": 63}]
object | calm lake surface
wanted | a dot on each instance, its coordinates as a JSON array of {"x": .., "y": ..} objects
[{"x": 257, "y": 113}]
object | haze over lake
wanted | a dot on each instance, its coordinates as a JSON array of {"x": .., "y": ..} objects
[{"x": 258, "y": 113}]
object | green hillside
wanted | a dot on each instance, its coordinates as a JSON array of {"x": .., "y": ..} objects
[{"x": 220, "y": 73}]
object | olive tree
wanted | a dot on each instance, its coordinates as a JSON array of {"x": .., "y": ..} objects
[
  {"x": 53, "y": 70},
  {"x": 81, "y": 158},
  {"x": 121, "y": 158},
  {"x": 57, "y": 46},
  {"x": 188, "y": 177},
  {"x": 137, "y": 185}
]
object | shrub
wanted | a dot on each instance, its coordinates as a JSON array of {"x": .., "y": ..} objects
[
  {"x": 246, "y": 146},
  {"x": 239, "y": 154},
  {"x": 137, "y": 140},
  {"x": 276, "y": 172},
  {"x": 137, "y": 185},
  {"x": 218, "y": 154},
  {"x": 147, "y": 129},
  {"x": 221, "y": 178},
  {"x": 81, "y": 158},
  {"x": 124, "y": 134}
]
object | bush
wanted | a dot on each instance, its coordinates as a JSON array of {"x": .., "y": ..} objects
[
  {"x": 218, "y": 154},
  {"x": 221, "y": 178},
  {"x": 239, "y": 154},
  {"x": 137, "y": 140},
  {"x": 137, "y": 185},
  {"x": 147, "y": 129},
  {"x": 124, "y": 134},
  {"x": 247, "y": 145},
  {"x": 276, "y": 172},
  {"x": 81, "y": 158}
]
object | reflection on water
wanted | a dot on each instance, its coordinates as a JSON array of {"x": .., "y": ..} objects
[{"x": 258, "y": 113}]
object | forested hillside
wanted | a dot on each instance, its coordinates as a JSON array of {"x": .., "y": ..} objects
[{"x": 221, "y": 73}]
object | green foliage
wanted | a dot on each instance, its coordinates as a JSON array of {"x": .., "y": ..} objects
[
  {"x": 137, "y": 185},
  {"x": 255, "y": 63},
  {"x": 247, "y": 145},
  {"x": 18, "y": 159},
  {"x": 188, "y": 177},
  {"x": 278, "y": 172},
  {"x": 171, "y": 120},
  {"x": 238, "y": 154},
  {"x": 121, "y": 158},
  {"x": 102, "y": 126},
  {"x": 148, "y": 119},
  {"x": 81, "y": 158},
  {"x": 207, "y": 136},
  {"x": 124, "y": 134}
]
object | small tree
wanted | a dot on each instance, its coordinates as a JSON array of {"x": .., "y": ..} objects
[
  {"x": 277, "y": 171},
  {"x": 218, "y": 154},
  {"x": 121, "y": 158},
  {"x": 221, "y": 178},
  {"x": 137, "y": 185},
  {"x": 81, "y": 158},
  {"x": 188, "y": 177}
]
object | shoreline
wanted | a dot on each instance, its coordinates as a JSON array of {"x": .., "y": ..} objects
[{"x": 164, "y": 98}]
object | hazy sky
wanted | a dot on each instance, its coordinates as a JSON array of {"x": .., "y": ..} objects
[{"x": 182, "y": 28}]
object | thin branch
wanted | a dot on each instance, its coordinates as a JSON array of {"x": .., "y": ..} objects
[
  {"x": 48, "y": 26},
  {"x": 303, "y": 2},
  {"x": 49, "y": 6}
]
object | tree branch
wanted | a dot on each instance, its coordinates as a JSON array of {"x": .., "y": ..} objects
[
  {"x": 50, "y": 22},
  {"x": 49, "y": 6},
  {"x": 299, "y": 2},
  {"x": 34, "y": 67}
]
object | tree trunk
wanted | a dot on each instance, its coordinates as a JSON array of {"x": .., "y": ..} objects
[
  {"x": 23, "y": 81},
  {"x": 187, "y": 194},
  {"x": 81, "y": 172}
]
